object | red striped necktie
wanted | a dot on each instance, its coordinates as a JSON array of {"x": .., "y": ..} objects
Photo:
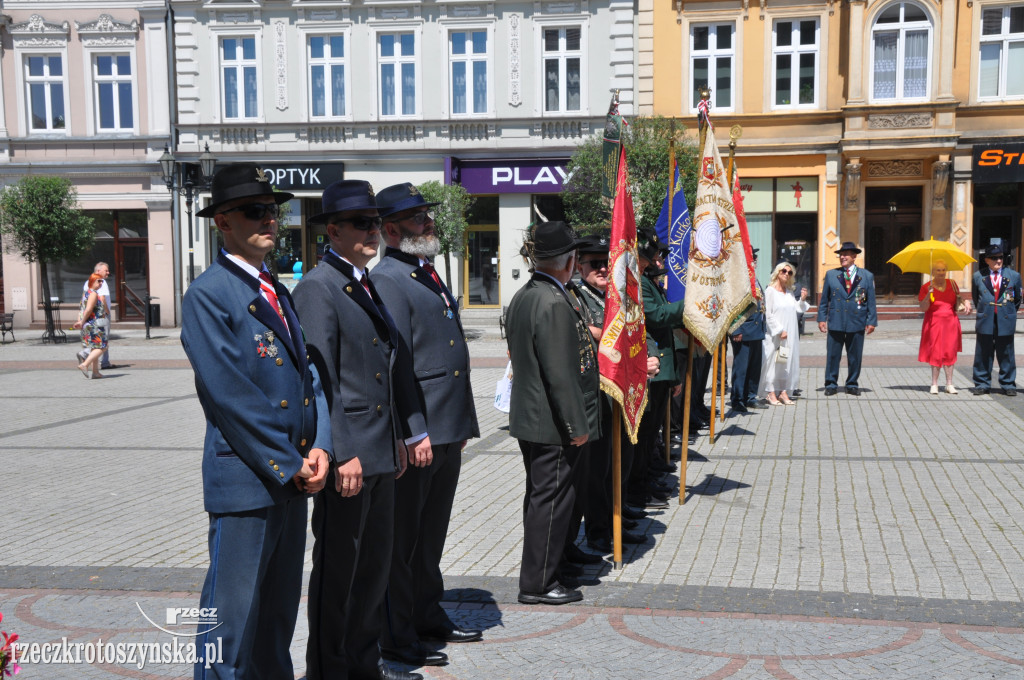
[
  {"x": 267, "y": 286},
  {"x": 429, "y": 268}
]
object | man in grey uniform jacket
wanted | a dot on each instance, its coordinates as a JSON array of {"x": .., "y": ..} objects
[
  {"x": 367, "y": 377},
  {"x": 426, "y": 316}
]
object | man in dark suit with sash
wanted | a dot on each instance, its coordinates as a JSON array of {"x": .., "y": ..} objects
[
  {"x": 746, "y": 341},
  {"x": 996, "y": 292},
  {"x": 268, "y": 437},
  {"x": 377, "y": 421},
  {"x": 426, "y": 316},
  {"x": 846, "y": 311},
  {"x": 554, "y": 407}
]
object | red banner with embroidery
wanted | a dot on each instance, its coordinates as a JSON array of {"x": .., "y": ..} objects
[{"x": 622, "y": 356}]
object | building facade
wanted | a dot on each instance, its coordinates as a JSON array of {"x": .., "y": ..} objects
[
  {"x": 862, "y": 120},
  {"x": 85, "y": 95}
]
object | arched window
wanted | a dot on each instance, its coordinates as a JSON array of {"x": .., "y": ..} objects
[{"x": 901, "y": 47}]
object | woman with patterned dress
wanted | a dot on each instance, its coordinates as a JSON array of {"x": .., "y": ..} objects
[
  {"x": 941, "y": 335},
  {"x": 94, "y": 337},
  {"x": 783, "y": 330}
]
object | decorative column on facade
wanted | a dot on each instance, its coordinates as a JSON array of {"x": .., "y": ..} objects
[
  {"x": 621, "y": 59},
  {"x": 645, "y": 58},
  {"x": 186, "y": 69},
  {"x": 5, "y": 148},
  {"x": 833, "y": 208},
  {"x": 852, "y": 196},
  {"x": 947, "y": 49},
  {"x": 940, "y": 183},
  {"x": 157, "y": 81},
  {"x": 856, "y": 38}
]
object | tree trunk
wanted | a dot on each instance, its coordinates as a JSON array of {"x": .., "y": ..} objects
[
  {"x": 51, "y": 332},
  {"x": 448, "y": 269}
]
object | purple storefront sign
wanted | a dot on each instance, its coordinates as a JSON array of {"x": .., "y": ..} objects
[{"x": 507, "y": 176}]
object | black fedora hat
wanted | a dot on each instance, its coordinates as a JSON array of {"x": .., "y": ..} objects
[
  {"x": 849, "y": 245},
  {"x": 648, "y": 245},
  {"x": 240, "y": 180},
  {"x": 594, "y": 244},
  {"x": 400, "y": 197},
  {"x": 993, "y": 250},
  {"x": 345, "y": 194},
  {"x": 551, "y": 239}
]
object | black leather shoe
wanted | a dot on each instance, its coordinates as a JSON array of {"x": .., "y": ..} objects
[
  {"x": 629, "y": 523},
  {"x": 601, "y": 545},
  {"x": 633, "y": 539},
  {"x": 657, "y": 503},
  {"x": 756, "y": 404},
  {"x": 739, "y": 408},
  {"x": 415, "y": 654},
  {"x": 677, "y": 438},
  {"x": 566, "y": 580},
  {"x": 978, "y": 391},
  {"x": 633, "y": 513},
  {"x": 830, "y": 391},
  {"x": 574, "y": 554},
  {"x": 557, "y": 595},
  {"x": 386, "y": 672},
  {"x": 853, "y": 391},
  {"x": 1010, "y": 392},
  {"x": 453, "y": 634},
  {"x": 659, "y": 465}
]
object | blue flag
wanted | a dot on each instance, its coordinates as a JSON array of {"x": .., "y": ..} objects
[{"x": 675, "y": 231}]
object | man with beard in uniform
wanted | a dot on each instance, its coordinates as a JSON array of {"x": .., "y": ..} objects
[
  {"x": 554, "y": 407},
  {"x": 426, "y": 315}
]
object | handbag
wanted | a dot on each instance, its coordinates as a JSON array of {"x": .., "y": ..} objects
[
  {"x": 503, "y": 391},
  {"x": 782, "y": 354}
]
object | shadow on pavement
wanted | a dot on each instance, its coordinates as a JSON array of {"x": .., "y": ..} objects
[{"x": 712, "y": 485}]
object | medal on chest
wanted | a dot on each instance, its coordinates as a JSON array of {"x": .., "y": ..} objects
[{"x": 265, "y": 346}]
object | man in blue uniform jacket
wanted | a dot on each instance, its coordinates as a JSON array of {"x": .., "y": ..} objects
[
  {"x": 268, "y": 438},
  {"x": 426, "y": 316},
  {"x": 997, "y": 295},
  {"x": 846, "y": 311},
  {"x": 746, "y": 356}
]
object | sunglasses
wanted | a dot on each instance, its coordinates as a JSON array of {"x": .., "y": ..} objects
[
  {"x": 361, "y": 223},
  {"x": 785, "y": 271},
  {"x": 419, "y": 218},
  {"x": 257, "y": 212},
  {"x": 596, "y": 264}
]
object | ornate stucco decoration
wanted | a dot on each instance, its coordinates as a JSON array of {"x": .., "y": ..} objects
[
  {"x": 515, "y": 87},
  {"x": 37, "y": 32},
  {"x": 940, "y": 182},
  {"x": 852, "y": 186},
  {"x": 105, "y": 31},
  {"x": 883, "y": 121},
  {"x": 281, "y": 63},
  {"x": 895, "y": 168}
]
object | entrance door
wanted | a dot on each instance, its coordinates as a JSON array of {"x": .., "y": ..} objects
[
  {"x": 480, "y": 282},
  {"x": 892, "y": 221},
  {"x": 132, "y": 279}
]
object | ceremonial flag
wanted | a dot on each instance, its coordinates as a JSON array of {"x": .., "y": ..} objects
[
  {"x": 673, "y": 227},
  {"x": 622, "y": 356},
  {"x": 741, "y": 218},
  {"x": 611, "y": 147},
  {"x": 718, "y": 280}
]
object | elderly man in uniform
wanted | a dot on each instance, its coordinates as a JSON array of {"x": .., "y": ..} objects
[
  {"x": 426, "y": 316},
  {"x": 846, "y": 311},
  {"x": 746, "y": 341},
  {"x": 377, "y": 423},
  {"x": 554, "y": 407},
  {"x": 268, "y": 438},
  {"x": 996, "y": 292}
]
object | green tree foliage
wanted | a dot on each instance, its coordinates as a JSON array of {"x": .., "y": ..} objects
[
  {"x": 39, "y": 218},
  {"x": 647, "y": 154},
  {"x": 449, "y": 218}
]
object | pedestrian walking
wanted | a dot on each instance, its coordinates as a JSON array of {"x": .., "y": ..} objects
[
  {"x": 242, "y": 336},
  {"x": 103, "y": 323},
  {"x": 996, "y": 291},
  {"x": 847, "y": 312},
  {"x": 91, "y": 313}
]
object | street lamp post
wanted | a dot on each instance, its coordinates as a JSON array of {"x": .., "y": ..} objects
[{"x": 191, "y": 179}]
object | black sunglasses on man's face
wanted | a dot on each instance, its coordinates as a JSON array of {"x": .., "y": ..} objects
[
  {"x": 596, "y": 264},
  {"x": 361, "y": 223},
  {"x": 256, "y": 212}
]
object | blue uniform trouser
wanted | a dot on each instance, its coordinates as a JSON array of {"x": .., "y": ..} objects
[
  {"x": 746, "y": 371},
  {"x": 1000, "y": 346},
  {"x": 254, "y": 582},
  {"x": 854, "y": 344}
]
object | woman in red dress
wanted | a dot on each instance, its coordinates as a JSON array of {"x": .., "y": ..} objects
[{"x": 940, "y": 334}]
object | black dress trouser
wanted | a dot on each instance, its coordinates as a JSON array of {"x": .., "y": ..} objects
[{"x": 547, "y": 506}]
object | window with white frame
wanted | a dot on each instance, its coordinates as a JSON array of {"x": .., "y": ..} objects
[
  {"x": 396, "y": 61},
  {"x": 795, "y": 60},
  {"x": 113, "y": 91},
  {"x": 1002, "y": 52},
  {"x": 901, "y": 53},
  {"x": 562, "y": 58},
  {"x": 240, "y": 78},
  {"x": 44, "y": 84},
  {"x": 712, "y": 59},
  {"x": 468, "y": 55},
  {"x": 326, "y": 75}
]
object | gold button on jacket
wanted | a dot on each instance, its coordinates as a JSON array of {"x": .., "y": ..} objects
[{"x": 284, "y": 403}]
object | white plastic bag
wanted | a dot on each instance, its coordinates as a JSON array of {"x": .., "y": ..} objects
[{"x": 503, "y": 391}]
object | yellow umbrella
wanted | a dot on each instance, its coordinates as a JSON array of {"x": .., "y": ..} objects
[{"x": 919, "y": 256}]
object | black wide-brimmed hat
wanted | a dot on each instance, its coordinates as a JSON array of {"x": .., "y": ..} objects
[
  {"x": 993, "y": 250},
  {"x": 345, "y": 194},
  {"x": 240, "y": 180},
  {"x": 648, "y": 245},
  {"x": 849, "y": 245},
  {"x": 551, "y": 239},
  {"x": 594, "y": 244},
  {"x": 400, "y": 197}
]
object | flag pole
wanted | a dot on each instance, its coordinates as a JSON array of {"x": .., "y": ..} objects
[
  {"x": 617, "y": 485},
  {"x": 714, "y": 393},
  {"x": 721, "y": 410},
  {"x": 671, "y": 195},
  {"x": 684, "y": 447}
]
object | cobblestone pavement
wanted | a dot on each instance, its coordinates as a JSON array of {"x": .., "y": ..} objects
[{"x": 874, "y": 537}]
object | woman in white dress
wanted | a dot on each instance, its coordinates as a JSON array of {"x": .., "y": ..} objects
[{"x": 781, "y": 310}]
